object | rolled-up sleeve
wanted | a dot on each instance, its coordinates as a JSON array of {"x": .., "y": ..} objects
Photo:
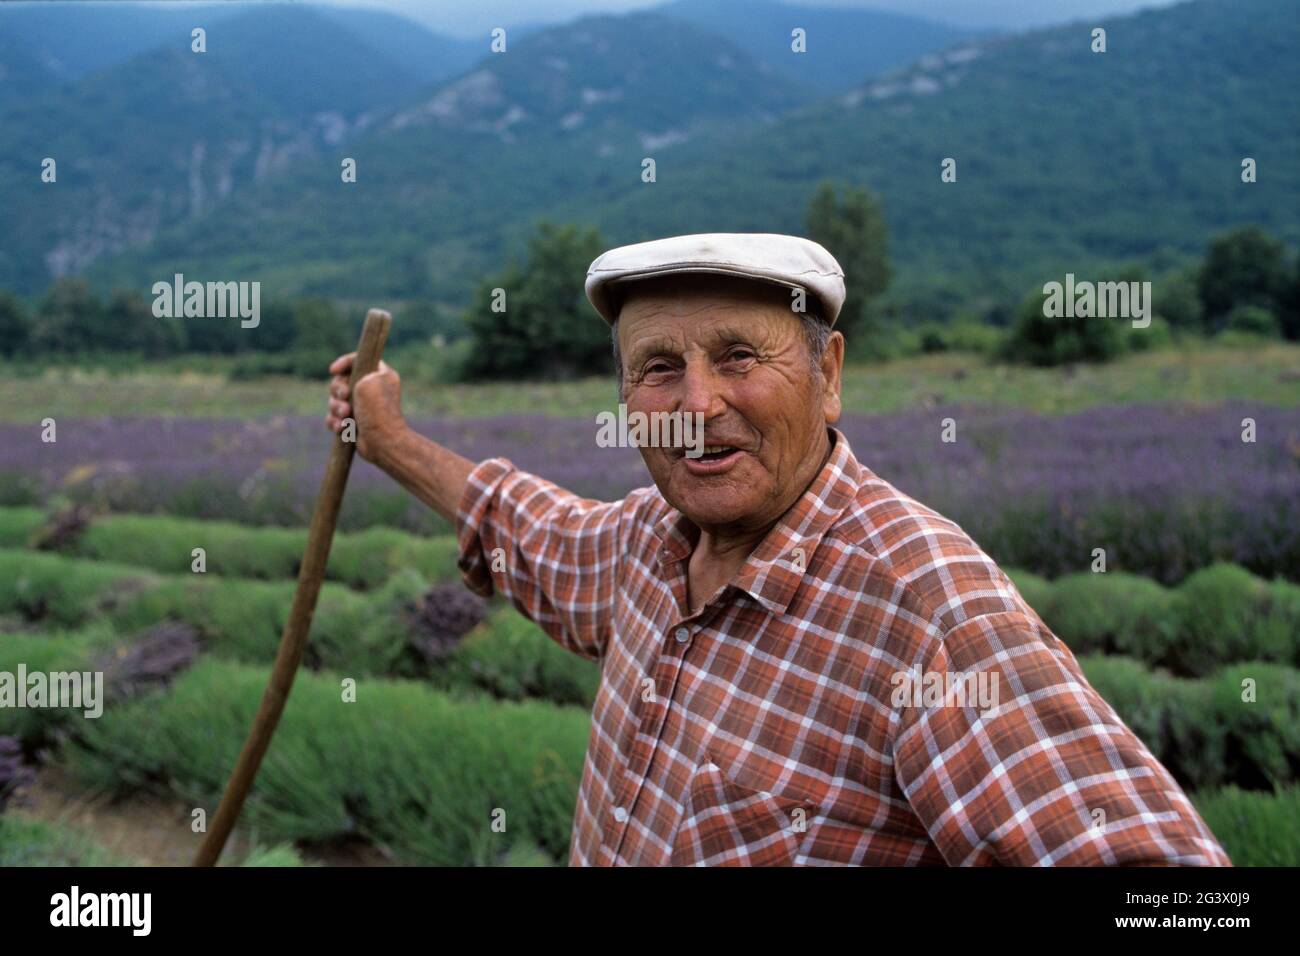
[
  {"x": 553, "y": 554},
  {"x": 1048, "y": 776}
]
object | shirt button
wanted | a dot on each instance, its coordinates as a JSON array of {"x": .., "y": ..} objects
[
  {"x": 683, "y": 635},
  {"x": 620, "y": 815}
]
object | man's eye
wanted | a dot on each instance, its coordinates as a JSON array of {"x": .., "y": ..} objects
[{"x": 740, "y": 355}]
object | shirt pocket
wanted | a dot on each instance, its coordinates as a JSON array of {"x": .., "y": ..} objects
[{"x": 729, "y": 819}]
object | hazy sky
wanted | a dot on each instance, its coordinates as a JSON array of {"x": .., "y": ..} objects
[{"x": 468, "y": 17}]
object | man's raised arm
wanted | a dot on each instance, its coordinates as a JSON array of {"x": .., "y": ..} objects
[
  {"x": 434, "y": 474},
  {"x": 551, "y": 553}
]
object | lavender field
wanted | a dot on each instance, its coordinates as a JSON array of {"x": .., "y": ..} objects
[
  {"x": 1168, "y": 488},
  {"x": 1164, "y": 488}
]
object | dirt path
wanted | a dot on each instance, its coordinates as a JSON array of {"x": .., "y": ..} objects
[{"x": 147, "y": 830}]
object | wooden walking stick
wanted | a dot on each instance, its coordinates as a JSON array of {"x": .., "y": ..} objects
[{"x": 294, "y": 640}]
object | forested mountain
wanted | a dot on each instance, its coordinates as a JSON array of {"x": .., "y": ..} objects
[
  {"x": 844, "y": 45},
  {"x": 228, "y": 164},
  {"x": 1066, "y": 159}
]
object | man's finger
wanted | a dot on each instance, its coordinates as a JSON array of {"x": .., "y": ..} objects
[{"x": 343, "y": 364}]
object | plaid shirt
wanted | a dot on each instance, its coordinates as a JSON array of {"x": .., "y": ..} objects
[{"x": 796, "y": 718}]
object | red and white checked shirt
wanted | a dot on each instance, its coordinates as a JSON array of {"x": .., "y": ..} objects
[{"x": 769, "y": 727}]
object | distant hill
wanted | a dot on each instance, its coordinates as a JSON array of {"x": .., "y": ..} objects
[
  {"x": 446, "y": 179},
  {"x": 21, "y": 72},
  {"x": 72, "y": 40},
  {"x": 844, "y": 45},
  {"x": 429, "y": 57},
  {"x": 161, "y": 137},
  {"x": 639, "y": 73},
  {"x": 1067, "y": 160}
]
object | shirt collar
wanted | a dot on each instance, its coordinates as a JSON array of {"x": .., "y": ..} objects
[{"x": 773, "y": 571}]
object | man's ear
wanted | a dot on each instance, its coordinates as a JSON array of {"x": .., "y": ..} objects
[{"x": 832, "y": 375}]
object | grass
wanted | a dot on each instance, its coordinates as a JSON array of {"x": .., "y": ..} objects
[
  {"x": 1194, "y": 372},
  {"x": 25, "y": 842},
  {"x": 36, "y": 843}
]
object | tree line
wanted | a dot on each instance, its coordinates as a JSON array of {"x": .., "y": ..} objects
[{"x": 530, "y": 319}]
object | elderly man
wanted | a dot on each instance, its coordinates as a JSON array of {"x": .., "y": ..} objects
[{"x": 799, "y": 663}]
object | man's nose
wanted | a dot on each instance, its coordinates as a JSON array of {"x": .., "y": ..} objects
[{"x": 701, "y": 390}]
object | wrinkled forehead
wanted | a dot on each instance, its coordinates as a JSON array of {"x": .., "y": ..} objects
[{"x": 704, "y": 295}]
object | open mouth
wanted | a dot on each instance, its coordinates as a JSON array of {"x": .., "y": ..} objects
[
  {"x": 716, "y": 458},
  {"x": 718, "y": 452}
]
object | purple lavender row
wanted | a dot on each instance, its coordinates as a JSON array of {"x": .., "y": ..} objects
[{"x": 1164, "y": 488}]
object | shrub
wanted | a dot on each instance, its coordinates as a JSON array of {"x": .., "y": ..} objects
[
  {"x": 364, "y": 559},
  {"x": 1178, "y": 303},
  {"x": 1256, "y": 828},
  {"x": 1263, "y": 733},
  {"x": 244, "y": 620},
  {"x": 1203, "y": 730},
  {"x": 37, "y": 728},
  {"x": 1253, "y": 320},
  {"x": 1036, "y": 590},
  {"x": 1039, "y": 339},
  {"x": 975, "y": 337},
  {"x": 548, "y": 328},
  {"x": 1223, "y": 614},
  {"x": 1220, "y": 615},
  {"x": 233, "y": 618},
  {"x": 1173, "y": 717},
  {"x": 166, "y": 544},
  {"x": 403, "y": 766},
  {"x": 62, "y": 592},
  {"x": 512, "y": 658},
  {"x": 964, "y": 336},
  {"x": 1245, "y": 266},
  {"x": 18, "y": 524},
  {"x": 1156, "y": 335},
  {"x": 1111, "y": 612}
]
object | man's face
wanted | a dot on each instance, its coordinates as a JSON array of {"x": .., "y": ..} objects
[{"x": 734, "y": 351}]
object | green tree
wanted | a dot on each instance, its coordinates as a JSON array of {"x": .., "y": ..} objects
[
  {"x": 129, "y": 319},
  {"x": 276, "y": 328},
  {"x": 1039, "y": 339},
  {"x": 15, "y": 325},
  {"x": 1289, "y": 307},
  {"x": 1177, "y": 301},
  {"x": 853, "y": 229},
  {"x": 319, "y": 325},
  {"x": 541, "y": 325},
  {"x": 1246, "y": 266},
  {"x": 421, "y": 320},
  {"x": 70, "y": 319}
]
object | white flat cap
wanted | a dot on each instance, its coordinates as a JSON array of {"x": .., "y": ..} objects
[{"x": 790, "y": 261}]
